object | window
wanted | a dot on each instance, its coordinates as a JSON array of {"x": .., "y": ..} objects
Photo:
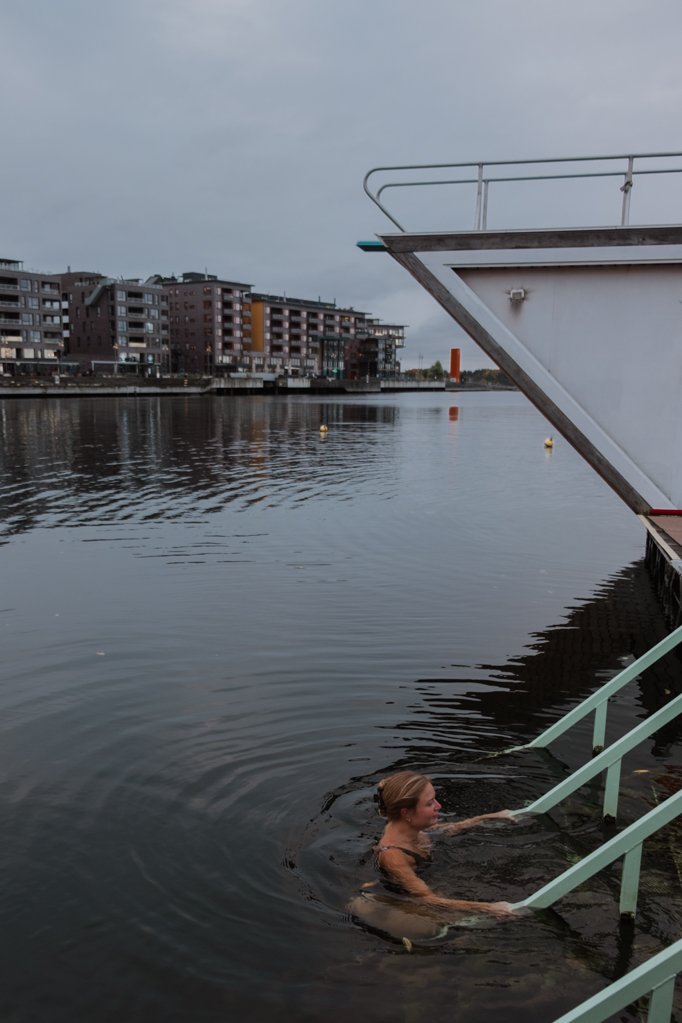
[
  {"x": 27, "y": 317},
  {"x": 24, "y": 284},
  {"x": 120, "y": 296},
  {"x": 122, "y": 325},
  {"x": 33, "y": 303},
  {"x": 121, "y": 310}
]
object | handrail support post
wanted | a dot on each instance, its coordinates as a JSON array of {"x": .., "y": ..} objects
[
  {"x": 661, "y": 1002},
  {"x": 611, "y": 790},
  {"x": 479, "y": 198},
  {"x": 626, "y": 188},
  {"x": 599, "y": 730},
  {"x": 629, "y": 884}
]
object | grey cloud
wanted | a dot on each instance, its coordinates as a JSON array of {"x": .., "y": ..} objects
[{"x": 165, "y": 135}]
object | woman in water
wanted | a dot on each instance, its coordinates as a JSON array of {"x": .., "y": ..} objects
[{"x": 408, "y": 801}]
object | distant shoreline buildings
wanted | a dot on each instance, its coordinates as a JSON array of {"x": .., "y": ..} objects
[{"x": 85, "y": 322}]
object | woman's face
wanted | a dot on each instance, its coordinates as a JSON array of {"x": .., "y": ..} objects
[{"x": 425, "y": 813}]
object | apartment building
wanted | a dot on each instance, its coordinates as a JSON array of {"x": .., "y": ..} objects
[
  {"x": 301, "y": 337},
  {"x": 115, "y": 326},
  {"x": 210, "y": 323},
  {"x": 30, "y": 320},
  {"x": 373, "y": 353}
]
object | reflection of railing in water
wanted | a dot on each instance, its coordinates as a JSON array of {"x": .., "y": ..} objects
[
  {"x": 598, "y": 701},
  {"x": 487, "y": 173}
]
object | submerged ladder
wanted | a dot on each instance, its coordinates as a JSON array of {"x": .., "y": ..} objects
[{"x": 656, "y": 977}]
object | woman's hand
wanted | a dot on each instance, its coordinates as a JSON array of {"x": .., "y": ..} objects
[
  {"x": 502, "y": 910},
  {"x": 505, "y": 815}
]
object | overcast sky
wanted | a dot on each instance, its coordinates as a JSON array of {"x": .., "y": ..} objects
[{"x": 159, "y": 136}]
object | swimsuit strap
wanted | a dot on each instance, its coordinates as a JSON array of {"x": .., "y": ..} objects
[{"x": 409, "y": 852}]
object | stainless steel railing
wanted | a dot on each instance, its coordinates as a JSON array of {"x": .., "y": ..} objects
[{"x": 490, "y": 172}]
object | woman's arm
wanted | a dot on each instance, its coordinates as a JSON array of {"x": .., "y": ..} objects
[
  {"x": 397, "y": 864},
  {"x": 471, "y": 822}
]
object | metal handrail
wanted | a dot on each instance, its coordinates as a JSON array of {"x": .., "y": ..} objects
[
  {"x": 657, "y": 977},
  {"x": 628, "y": 844},
  {"x": 610, "y": 761},
  {"x": 483, "y": 180},
  {"x": 598, "y": 701}
]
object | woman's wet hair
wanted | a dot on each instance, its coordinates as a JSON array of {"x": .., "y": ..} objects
[{"x": 400, "y": 791}]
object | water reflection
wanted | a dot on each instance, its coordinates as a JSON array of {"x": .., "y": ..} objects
[
  {"x": 565, "y": 663},
  {"x": 63, "y": 462},
  {"x": 273, "y": 617},
  {"x": 451, "y": 720}
]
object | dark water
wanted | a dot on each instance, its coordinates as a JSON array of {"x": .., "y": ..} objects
[{"x": 219, "y": 629}]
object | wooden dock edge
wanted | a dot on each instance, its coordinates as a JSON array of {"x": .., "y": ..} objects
[{"x": 663, "y": 559}]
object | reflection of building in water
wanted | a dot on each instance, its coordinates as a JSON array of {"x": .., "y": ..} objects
[
  {"x": 30, "y": 320},
  {"x": 159, "y": 457}
]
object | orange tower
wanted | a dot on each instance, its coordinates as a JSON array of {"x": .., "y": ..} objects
[{"x": 455, "y": 360}]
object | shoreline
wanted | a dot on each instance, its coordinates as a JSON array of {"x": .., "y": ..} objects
[{"x": 228, "y": 386}]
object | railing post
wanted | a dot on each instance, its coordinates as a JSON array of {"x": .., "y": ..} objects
[
  {"x": 599, "y": 730},
  {"x": 629, "y": 884},
  {"x": 479, "y": 198},
  {"x": 661, "y": 1002},
  {"x": 607, "y": 690},
  {"x": 611, "y": 791},
  {"x": 484, "y": 223},
  {"x": 626, "y": 188}
]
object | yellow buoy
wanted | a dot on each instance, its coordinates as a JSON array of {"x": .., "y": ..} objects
[
  {"x": 549, "y": 443},
  {"x": 323, "y": 428}
]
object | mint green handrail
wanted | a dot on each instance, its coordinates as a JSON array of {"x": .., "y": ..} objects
[
  {"x": 609, "y": 760},
  {"x": 657, "y": 976},
  {"x": 597, "y": 702},
  {"x": 627, "y": 844}
]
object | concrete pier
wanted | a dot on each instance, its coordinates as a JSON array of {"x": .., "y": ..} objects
[{"x": 117, "y": 387}]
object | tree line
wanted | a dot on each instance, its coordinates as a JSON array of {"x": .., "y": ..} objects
[{"x": 468, "y": 377}]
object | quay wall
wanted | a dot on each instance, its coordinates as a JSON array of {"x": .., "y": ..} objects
[{"x": 116, "y": 387}]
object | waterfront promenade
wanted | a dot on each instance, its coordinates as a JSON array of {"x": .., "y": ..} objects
[{"x": 129, "y": 386}]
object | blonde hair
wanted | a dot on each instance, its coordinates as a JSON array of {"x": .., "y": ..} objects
[{"x": 400, "y": 791}]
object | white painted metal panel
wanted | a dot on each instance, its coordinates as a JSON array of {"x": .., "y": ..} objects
[{"x": 611, "y": 338}]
